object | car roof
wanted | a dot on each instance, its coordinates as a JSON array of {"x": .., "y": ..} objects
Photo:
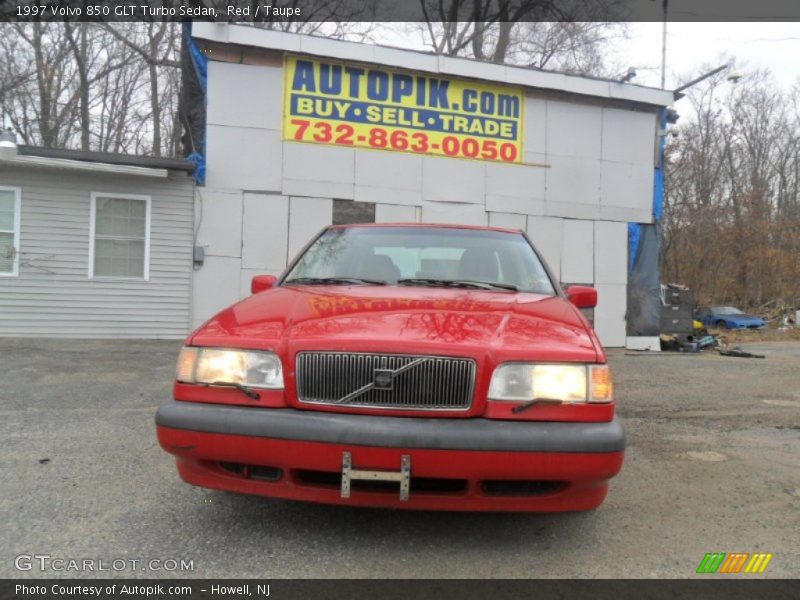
[{"x": 429, "y": 226}]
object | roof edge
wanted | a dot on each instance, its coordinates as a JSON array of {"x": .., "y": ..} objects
[
  {"x": 229, "y": 33},
  {"x": 109, "y": 158}
]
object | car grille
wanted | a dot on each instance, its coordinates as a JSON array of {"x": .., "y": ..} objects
[{"x": 385, "y": 381}]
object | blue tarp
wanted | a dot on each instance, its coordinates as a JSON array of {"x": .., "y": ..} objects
[
  {"x": 658, "y": 180},
  {"x": 644, "y": 249},
  {"x": 644, "y": 283},
  {"x": 198, "y": 58},
  {"x": 199, "y": 63},
  {"x": 634, "y": 235}
]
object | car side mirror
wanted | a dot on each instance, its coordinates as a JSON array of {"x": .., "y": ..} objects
[
  {"x": 261, "y": 283},
  {"x": 582, "y": 296}
]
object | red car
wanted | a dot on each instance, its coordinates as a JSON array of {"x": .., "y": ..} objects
[{"x": 406, "y": 366}]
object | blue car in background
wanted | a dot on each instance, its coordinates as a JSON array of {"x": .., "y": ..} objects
[{"x": 728, "y": 317}]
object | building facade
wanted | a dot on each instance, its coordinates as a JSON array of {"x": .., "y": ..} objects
[
  {"x": 95, "y": 245},
  {"x": 584, "y": 155}
]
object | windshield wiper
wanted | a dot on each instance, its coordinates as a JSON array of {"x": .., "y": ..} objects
[
  {"x": 333, "y": 281},
  {"x": 250, "y": 393},
  {"x": 459, "y": 283},
  {"x": 527, "y": 404}
]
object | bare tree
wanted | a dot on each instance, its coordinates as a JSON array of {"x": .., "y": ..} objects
[
  {"x": 732, "y": 214},
  {"x": 95, "y": 87},
  {"x": 568, "y": 36},
  {"x": 570, "y": 47},
  {"x": 158, "y": 45},
  {"x": 41, "y": 108},
  {"x": 115, "y": 86}
]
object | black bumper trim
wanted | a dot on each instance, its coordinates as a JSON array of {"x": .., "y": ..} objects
[{"x": 393, "y": 432}]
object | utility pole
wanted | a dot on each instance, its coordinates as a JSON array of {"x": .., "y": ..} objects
[{"x": 664, "y": 45}]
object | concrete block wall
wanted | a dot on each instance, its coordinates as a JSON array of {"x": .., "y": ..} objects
[{"x": 588, "y": 172}]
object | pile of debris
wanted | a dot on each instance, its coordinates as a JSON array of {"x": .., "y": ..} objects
[
  {"x": 784, "y": 315},
  {"x": 704, "y": 341},
  {"x": 681, "y": 333},
  {"x": 677, "y": 319}
]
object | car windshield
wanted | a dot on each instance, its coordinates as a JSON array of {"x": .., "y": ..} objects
[
  {"x": 423, "y": 256},
  {"x": 727, "y": 310}
]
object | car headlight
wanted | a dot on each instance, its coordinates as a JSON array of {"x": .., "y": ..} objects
[
  {"x": 521, "y": 382},
  {"x": 240, "y": 367}
]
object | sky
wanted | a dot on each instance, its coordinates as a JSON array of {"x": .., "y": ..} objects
[
  {"x": 690, "y": 45},
  {"x": 692, "y": 49}
]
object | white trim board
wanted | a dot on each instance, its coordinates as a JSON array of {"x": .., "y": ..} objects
[
  {"x": 79, "y": 165},
  {"x": 17, "y": 191},
  {"x": 422, "y": 61}
]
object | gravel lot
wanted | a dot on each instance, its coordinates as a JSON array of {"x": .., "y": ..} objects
[{"x": 713, "y": 464}]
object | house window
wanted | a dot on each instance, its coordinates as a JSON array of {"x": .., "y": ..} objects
[
  {"x": 120, "y": 236},
  {"x": 9, "y": 231}
]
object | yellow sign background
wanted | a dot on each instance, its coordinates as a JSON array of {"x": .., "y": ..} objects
[{"x": 369, "y": 106}]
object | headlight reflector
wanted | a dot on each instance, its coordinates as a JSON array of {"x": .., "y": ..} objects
[
  {"x": 243, "y": 367},
  {"x": 565, "y": 382},
  {"x": 559, "y": 382}
]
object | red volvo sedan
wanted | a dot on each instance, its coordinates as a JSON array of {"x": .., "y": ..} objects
[{"x": 405, "y": 366}]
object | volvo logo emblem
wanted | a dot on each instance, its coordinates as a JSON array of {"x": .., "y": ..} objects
[{"x": 383, "y": 379}]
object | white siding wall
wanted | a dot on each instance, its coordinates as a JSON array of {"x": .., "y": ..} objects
[
  {"x": 53, "y": 295},
  {"x": 589, "y": 164}
]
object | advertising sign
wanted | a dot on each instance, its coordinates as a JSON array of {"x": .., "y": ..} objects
[{"x": 327, "y": 102}]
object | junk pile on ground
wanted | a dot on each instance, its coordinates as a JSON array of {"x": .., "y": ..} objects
[
  {"x": 681, "y": 333},
  {"x": 670, "y": 342},
  {"x": 788, "y": 322},
  {"x": 738, "y": 352},
  {"x": 677, "y": 322},
  {"x": 784, "y": 315},
  {"x": 707, "y": 341}
]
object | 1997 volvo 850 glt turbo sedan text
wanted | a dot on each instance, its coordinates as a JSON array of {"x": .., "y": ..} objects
[{"x": 407, "y": 366}]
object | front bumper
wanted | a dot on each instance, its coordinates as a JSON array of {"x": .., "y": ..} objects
[{"x": 456, "y": 464}]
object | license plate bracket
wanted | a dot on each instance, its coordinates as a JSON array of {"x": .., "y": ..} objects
[{"x": 402, "y": 477}]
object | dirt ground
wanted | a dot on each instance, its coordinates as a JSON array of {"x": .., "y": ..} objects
[
  {"x": 712, "y": 465},
  {"x": 770, "y": 334}
]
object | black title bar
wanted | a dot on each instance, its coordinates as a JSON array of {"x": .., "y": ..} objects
[
  {"x": 284, "y": 12},
  {"x": 399, "y": 589}
]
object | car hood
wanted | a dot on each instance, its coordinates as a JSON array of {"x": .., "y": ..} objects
[{"x": 392, "y": 319}]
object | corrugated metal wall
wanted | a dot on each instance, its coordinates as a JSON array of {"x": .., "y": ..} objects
[{"x": 53, "y": 295}]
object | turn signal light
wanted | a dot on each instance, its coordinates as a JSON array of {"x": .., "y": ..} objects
[
  {"x": 602, "y": 387},
  {"x": 186, "y": 363}
]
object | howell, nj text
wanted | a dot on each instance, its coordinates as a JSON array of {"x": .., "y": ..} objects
[{"x": 239, "y": 590}]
